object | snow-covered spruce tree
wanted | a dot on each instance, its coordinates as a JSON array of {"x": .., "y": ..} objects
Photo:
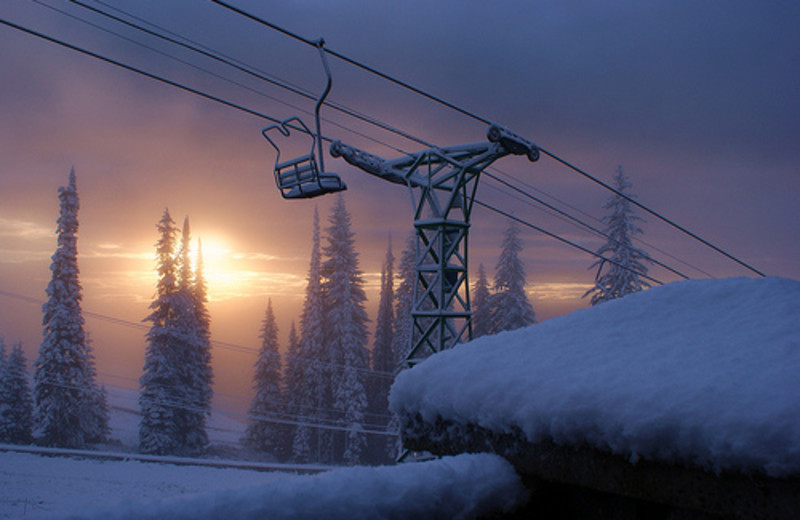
[
  {"x": 16, "y": 402},
  {"x": 292, "y": 379},
  {"x": 199, "y": 302},
  {"x": 481, "y": 305},
  {"x": 263, "y": 432},
  {"x": 383, "y": 359},
  {"x": 63, "y": 391},
  {"x": 510, "y": 307},
  {"x": 196, "y": 374},
  {"x": 346, "y": 333},
  {"x": 163, "y": 393},
  {"x": 404, "y": 301},
  {"x": 403, "y": 328},
  {"x": 97, "y": 417},
  {"x": 311, "y": 442},
  {"x": 623, "y": 274}
]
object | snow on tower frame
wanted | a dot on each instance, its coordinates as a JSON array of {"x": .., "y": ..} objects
[
  {"x": 442, "y": 182},
  {"x": 305, "y": 177}
]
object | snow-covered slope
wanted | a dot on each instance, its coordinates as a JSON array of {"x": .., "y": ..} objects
[{"x": 703, "y": 372}]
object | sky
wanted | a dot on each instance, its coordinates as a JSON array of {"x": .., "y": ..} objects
[{"x": 697, "y": 101}]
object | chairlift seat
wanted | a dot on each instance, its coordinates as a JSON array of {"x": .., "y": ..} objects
[
  {"x": 322, "y": 184},
  {"x": 300, "y": 178}
]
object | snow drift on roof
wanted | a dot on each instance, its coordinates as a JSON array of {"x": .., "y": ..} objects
[{"x": 705, "y": 372}]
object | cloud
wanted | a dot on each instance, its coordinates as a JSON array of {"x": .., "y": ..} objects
[
  {"x": 115, "y": 253},
  {"x": 557, "y": 291},
  {"x": 264, "y": 257},
  {"x": 23, "y": 256},
  {"x": 24, "y": 229}
]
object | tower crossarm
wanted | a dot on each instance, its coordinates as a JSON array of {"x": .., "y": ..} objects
[
  {"x": 443, "y": 182},
  {"x": 431, "y": 168}
]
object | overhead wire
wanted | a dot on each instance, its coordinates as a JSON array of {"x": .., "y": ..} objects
[
  {"x": 214, "y": 74},
  {"x": 275, "y": 120},
  {"x": 562, "y": 239},
  {"x": 258, "y": 74},
  {"x": 282, "y": 83},
  {"x": 575, "y": 220},
  {"x": 349, "y": 60},
  {"x": 592, "y": 217},
  {"x": 323, "y": 423},
  {"x": 650, "y": 211},
  {"x": 137, "y": 70},
  {"x": 486, "y": 121},
  {"x": 218, "y": 100},
  {"x": 214, "y": 343}
]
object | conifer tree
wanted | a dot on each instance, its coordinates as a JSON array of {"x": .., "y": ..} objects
[
  {"x": 63, "y": 390},
  {"x": 481, "y": 305},
  {"x": 292, "y": 386},
  {"x": 623, "y": 274},
  {"x": 383, "y": 356},
  {"x": 263, "y": 433},
  {"x": 16, "y": 402},
  {"x": 314, "y": 396},
  {"x": 404, "y": 301},
  {"x": 163, "y": 394},
  {"x": 196, "y": 370},
  {"x": 510, "y": 306},
  {"x": 403, "y": 329},
  {"x": 96, "y": 416},
  {"x": 203, "y": 318},
  {"x": 346, "y": 331}
]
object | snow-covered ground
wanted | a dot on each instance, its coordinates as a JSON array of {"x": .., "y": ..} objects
[
  {"x": 39, "y": 485},
  {"x": 702, "y": 372},
  {"x": 705, "y": 372},
  {"x": 34, "y": 484},
  {"x": 463, "y": 487}
]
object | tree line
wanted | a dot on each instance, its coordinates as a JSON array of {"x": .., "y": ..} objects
[{"x": 324, "y": 400}]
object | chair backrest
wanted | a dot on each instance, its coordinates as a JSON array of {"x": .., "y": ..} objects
[{"x": 299, "y": 177}]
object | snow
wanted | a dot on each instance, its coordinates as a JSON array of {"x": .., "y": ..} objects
[
  {"x": 464, "y": 487},
  {"x": 33, "y": 484},
  {"x": 701, "y": 372},
  {"x": 124, "y": 484}
]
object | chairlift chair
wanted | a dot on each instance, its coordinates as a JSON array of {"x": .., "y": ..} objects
[
  {"x": 305, "y": 177},
  {"x": 300, "y": 177}
]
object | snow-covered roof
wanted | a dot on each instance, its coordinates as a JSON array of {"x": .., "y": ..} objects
[{"x": 705, "y": 372}]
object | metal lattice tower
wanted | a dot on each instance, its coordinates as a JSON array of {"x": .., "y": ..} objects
[{"x": 442, "y": 182}]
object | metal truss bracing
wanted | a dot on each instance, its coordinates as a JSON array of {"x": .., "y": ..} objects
[{"x": 442, "y": 183}]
